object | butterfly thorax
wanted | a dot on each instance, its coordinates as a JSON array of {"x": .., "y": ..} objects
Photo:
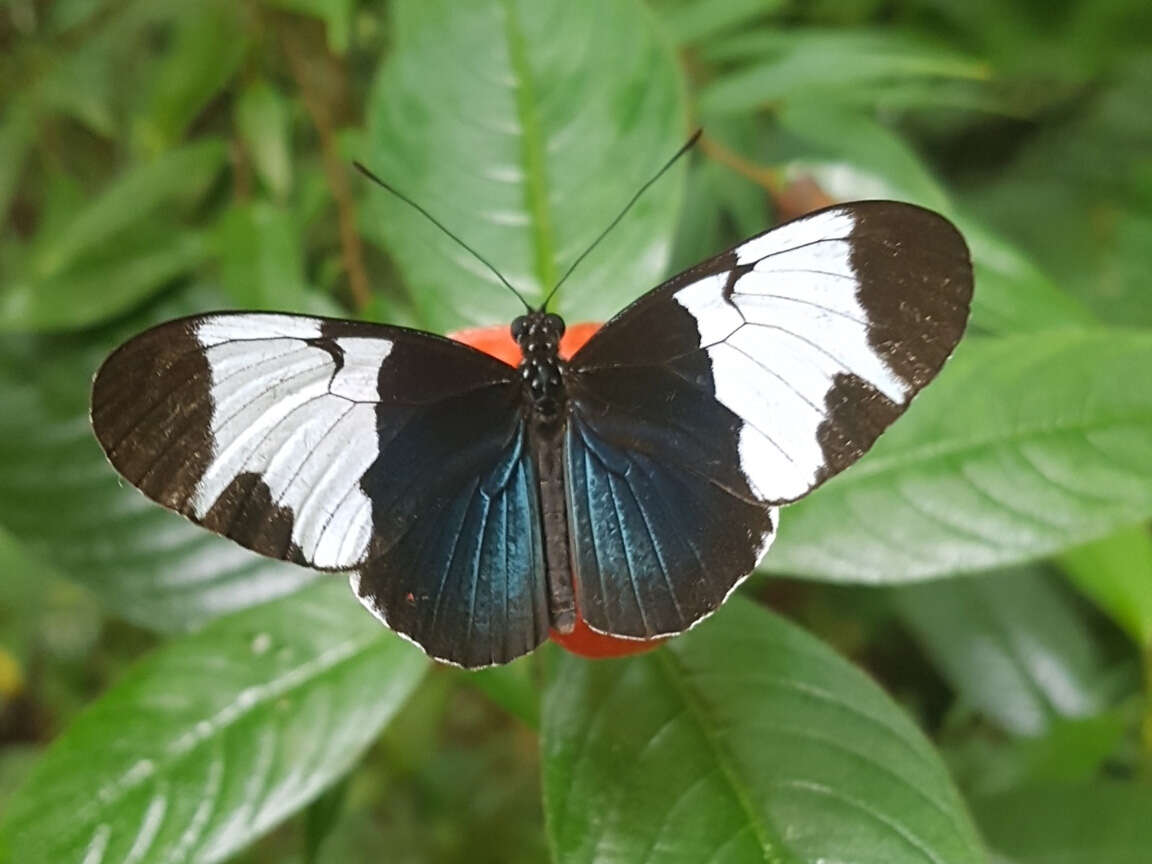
[{"x": 541, "y": 369}]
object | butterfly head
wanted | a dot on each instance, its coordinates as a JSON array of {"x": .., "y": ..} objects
[
  {"x": 537, "y": 328},
  {"x": 538, "y": 335}
]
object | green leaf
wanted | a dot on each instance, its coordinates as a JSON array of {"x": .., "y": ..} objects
[
  {"x": 1116, "y": 573},
  {"x": 80, "y": 84},
  {"x": 833, "y": 66},
  {"x": 16, "y": 136},
  {"x": 526, "y": 152},
  {"x": 852, "y": 156},
  {"x": 1024, "y": 447},
  {"x": 98, "y": 73},
  {"x": 1084, "y": 217},
  {"x": 1082, "y": 823},
  {"x": 745, "y": 740},
  {"x": 216, "y": 737},
  {"x": 264, "y": 119},
  {"x": 173, "y": 179},
  {"x": 261, "y": 255},
  {"x": 104, "y": 285},
  {"x": 696, "y": 21},
  {"x": 1012, "y": 294},
  {"x": 1011, "y": 644},
  {"x": 209, "y": 41},
  {"x": 63, "y": 499}
]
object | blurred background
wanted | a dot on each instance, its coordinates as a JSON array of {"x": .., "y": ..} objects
[{"x": 158, "y": 157}]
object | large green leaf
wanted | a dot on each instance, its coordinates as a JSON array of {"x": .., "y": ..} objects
[
  {"x": 1013, "y": 295},
  {"x": 1012, "y": 644},
  {"x": 526, "y": 146},
  {"x": 61, "y": 496},
  {"x": 1083, "y": 823},
  {"x": 1025, "y": 446},
  {"x": 747, "y": 740},
  {"x": 857, "y": 67},
  {"x": 216, "y": 737}
]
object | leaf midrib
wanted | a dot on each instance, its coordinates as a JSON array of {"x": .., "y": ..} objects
[
  {"x": 532, "y": 152},
  {"x": 771, "y": 846}
]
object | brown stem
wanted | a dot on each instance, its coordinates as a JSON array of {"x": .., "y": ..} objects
[
  {"x": 769, "y": 178},
  {"x": 319, "y": 104},
  {"x": 791, "y": 199}
]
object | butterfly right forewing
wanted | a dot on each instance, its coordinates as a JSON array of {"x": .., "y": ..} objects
[{"x": 758, "y": 374}]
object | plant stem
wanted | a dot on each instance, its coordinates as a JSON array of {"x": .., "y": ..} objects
[{"x": 319, "y": 107}]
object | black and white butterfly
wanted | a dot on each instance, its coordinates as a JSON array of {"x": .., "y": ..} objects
[{"x": 477, "y": 505}]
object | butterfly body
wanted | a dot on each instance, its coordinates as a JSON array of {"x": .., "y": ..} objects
[{"x": 478, "y": 505}]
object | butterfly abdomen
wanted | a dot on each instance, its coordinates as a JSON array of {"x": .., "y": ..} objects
[{"x": 547, "y": 441}]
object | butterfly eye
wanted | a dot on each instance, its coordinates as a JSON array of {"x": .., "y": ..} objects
[
  {"x": 519, "y": 326},
  {"x": 554, "y": 323}
]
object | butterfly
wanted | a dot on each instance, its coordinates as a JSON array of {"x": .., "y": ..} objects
[{"x": 477, "y": 505}]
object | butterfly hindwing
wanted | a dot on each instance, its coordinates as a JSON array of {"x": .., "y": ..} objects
[
  {"x": 657, "y": 545},
  {"x": 744, "y": 383},
  {"x": 464, "y": 576}
]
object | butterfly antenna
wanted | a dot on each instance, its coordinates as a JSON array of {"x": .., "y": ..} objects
[
  {"x": 684, "y": 149},
  {"x": 440, "y": 225}
]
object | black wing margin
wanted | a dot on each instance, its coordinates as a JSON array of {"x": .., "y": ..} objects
[{"x": 741, "y": 384}]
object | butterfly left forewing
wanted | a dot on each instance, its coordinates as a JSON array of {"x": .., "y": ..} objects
[
  {"x": 270, "y": 429},
  {"x": 761, "y": 372},
  {"x": 344, "y": 445}
]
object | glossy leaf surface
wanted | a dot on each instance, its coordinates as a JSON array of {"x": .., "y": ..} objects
[
  {"x": 527, "y": 153},
  {"x": 215, "y": 738},
  {"x": 745, "y": 741}
]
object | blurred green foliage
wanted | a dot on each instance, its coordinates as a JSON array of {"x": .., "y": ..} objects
[{"x": 168, "y": 697}]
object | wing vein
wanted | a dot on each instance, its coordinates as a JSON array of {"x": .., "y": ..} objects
[
  {"x": 655, "y": 547},
  {"x": 627, "y": 551}
]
